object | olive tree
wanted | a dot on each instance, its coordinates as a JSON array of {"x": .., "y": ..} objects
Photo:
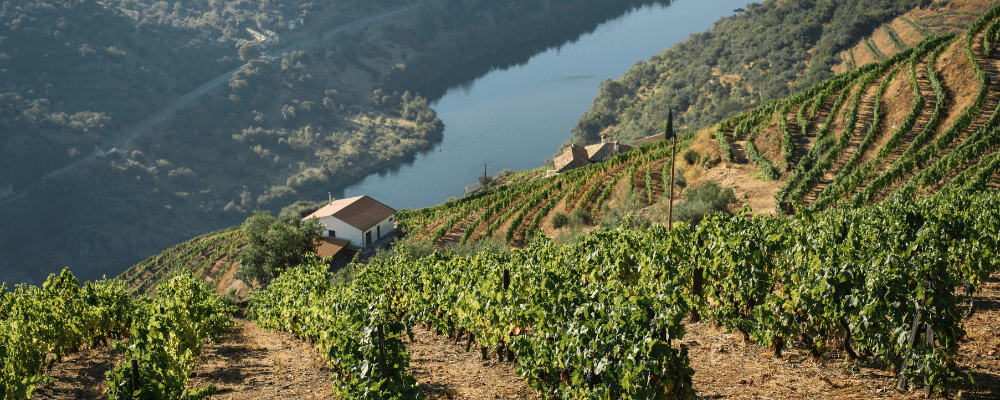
[{"x": 275, "y": 245}]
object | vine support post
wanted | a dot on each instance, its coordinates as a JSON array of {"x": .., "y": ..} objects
[
  {"x": 930, "y": 342},
  {"x": 381, "y": 352},
  {"x": 669, "y": 134},
  {"x": 901, "y": 384},
  {"x": 134, "y": 379}
]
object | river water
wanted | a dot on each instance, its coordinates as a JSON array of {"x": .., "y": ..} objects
[{"x": 516, "y": 117}]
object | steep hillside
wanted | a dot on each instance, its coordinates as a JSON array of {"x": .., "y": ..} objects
[{"x": 767, "y": 52}]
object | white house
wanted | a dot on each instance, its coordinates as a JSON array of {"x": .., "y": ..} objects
[{"x": 362, "y": 220}]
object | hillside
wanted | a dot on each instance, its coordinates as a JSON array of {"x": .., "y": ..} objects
[
  {"x": 342, "y": 105},
  {"x": 901, "y": 126},
  {"x": 878, "y": 217},
  {"x": 769, "y": 51}
]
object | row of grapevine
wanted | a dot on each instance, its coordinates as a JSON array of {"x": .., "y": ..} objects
[
  {"x": 224, "y": 243},
  {"x": 906, "y": 161},
  {"x": 834, "y": 190},
  {"x": 167, "y": 336},
  {"x": 608, "y": 337},
  {"x": 975, "y": 142},
  {"x": 894, "y": 37},
  {"x": 878, "y": 54},
  {"x": 851, "y": 181},
  {"x": 825, "y": 150},
  {"x": 787, "y": 144},
  {"x": 985, "y": 170},
  {"x": 529, "y": 204},
  {"x": 828, "y": 148},
  {"x": 542, "y": 212},
  {"x": 990, "y": 38},
  {"x": 357, "y": 326},
  {"x": 763, "y": 165},
  {"x": 917, "y": 27},
  {"x": 498, "y": 203},
  {"x": 984, "y": 139},
  {"x": 602, "y": 313},
  {"x": 55, "y": 320},
  {"x": 848, "y": 57},
  {"x": 39, "y": 326}
]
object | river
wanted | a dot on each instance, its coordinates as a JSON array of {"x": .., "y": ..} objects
[{"x": 516, "y": 117}]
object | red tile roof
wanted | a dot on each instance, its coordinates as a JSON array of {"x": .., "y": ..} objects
[{"x": 361, "y": 212}]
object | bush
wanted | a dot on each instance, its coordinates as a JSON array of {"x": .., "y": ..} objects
[
  {"x": 691, "y": 157},
  {"x": 559, "y": 220},
  {"x": 298, "y": 210},
  {"x": 679, "y": 179},
  {"x": 702, "y": 200},
  {"x": 579, "y": 217}
]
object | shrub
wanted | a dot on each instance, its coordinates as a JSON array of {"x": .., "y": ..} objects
[
  {"x": 679, "y": 179},
  {"x": 702, "y": 200},
  {"x": 691, "y": 157},
  {"x": 559, "y": 220},
  {"x": 298, "y": 210},
  {"x": 579, "y": 217}
]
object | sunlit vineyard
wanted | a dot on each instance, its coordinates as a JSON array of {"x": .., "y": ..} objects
[
  {"x": 165, "y": 333},
  {"x": 583, "y": 323}
]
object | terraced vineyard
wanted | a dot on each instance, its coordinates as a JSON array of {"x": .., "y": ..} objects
[
  {"x": 858, "y": 151},
  {"x": 921, "y": 119},
  {"x": 211, "y": 257},
  {"x": 513, "y": 213}
]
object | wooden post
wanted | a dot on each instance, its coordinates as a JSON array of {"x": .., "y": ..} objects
[
  {"x": 901, "y": 384},
  {"x": 669, "y": 133},
  {"x": 134, "y": 379},
  {"x": 930, "y": 342},
  {"x": 381, "y": 352},
  {"x": 506, "y": 278}
]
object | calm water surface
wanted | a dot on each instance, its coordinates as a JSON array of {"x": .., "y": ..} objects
[{"x": 517, "y": 117}]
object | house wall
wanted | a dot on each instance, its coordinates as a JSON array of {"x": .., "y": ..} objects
[
  {"x": 355, "y": 235},
  {"x": 388, "y": 225},
  {"x": 343, "y": 230}
]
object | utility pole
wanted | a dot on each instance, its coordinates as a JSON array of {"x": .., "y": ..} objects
[{"x": 668, "y": 133}]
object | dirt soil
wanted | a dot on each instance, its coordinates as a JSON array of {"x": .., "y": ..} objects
[
  {"x": 726, "y": 367},
  {"x": 446, "y": 371},
  {"x": 250, "y": 363}
]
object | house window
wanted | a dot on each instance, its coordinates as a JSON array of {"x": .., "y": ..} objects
[
  {"x": 333, "y": 233},
  {"x": 390, "y": 219}
]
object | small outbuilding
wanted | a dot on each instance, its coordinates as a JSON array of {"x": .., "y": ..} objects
[{"x": 360, "y": 220}]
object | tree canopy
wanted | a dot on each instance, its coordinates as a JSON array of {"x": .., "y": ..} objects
[{"x": 275, "y": 245}]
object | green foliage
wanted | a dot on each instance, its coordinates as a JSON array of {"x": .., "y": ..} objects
[
  {"x": 224, "y": 243},
  {"x": 59, "y": 318},
  {"x": 579, "y": 216},
  {"x": 559, "y": 220},
  {"x": 344, "y": 319},
  {"x": 167, "y": 336},
  {"x": 702, "y": 200},
  {"x": 275, "y": 245},
  {"x": 691, "y": 157},
  {"x": 299, "y": 210}
]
